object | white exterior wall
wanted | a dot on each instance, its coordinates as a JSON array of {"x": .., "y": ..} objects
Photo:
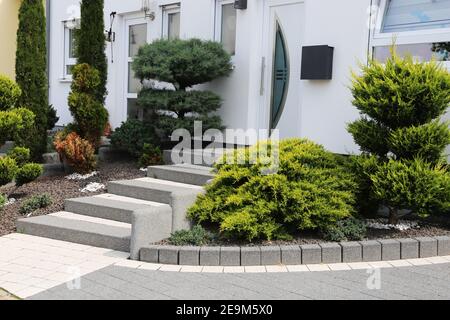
[{"x": 326, "y": 107}]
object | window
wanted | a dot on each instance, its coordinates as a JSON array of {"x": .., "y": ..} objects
[
  {"x": 226, "y": 25},
  {"x": 69, "y": 51},
  {"x": 420, "y": 28},
  {"x": 412, "y": 15},
  {"x": 171, "y": 22},
  {"x": 137, "y": 37}
]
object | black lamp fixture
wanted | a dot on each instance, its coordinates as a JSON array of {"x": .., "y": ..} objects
[
  {"x": 240, "y": 4},
  {"x": 317, "y": 63}
]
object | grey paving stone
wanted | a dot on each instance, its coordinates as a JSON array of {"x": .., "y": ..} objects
[
  {"x": 270, "y": 255},
  {"x": 210, "y": 256},
  {"x": 230, "y": 256},
  {"x": 390, "y": 249},
  {"x": 428, "y": 247},
  {"x": 371, "y": 250},
  {"x": 250, "y": 256},
  {"x": 291, "y": 255},
  {"x": 168, "y": 254},
  {"x": 189, "y": 256},
  {"x": 351, "y": 252},
  {"x": 331, "y": 253},
  {"x": 311, "y": 253},
  {"x": 409, "y": 248},
  {"x": 443, "y": 245},
  {"x": 149, "y": 254}
]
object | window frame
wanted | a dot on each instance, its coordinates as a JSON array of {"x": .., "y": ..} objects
[
  {"x": 68, "y": 60},
  {"x": 166, "y": 11},
  {"x": 218, "y": 22}
]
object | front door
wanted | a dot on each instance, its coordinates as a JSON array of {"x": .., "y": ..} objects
[{"x": 283, "y": 36}]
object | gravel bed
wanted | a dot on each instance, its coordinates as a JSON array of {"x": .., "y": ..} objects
[{"x": 59, "y": 188}]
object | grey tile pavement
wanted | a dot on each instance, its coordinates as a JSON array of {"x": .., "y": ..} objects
[{"x": 120, "y": 283}]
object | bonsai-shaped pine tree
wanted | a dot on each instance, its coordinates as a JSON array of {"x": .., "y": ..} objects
[
  {"x": 183, "y": 64},
  {"x": 31, "y": 71},
  {"x": 401, "y": 134},
  {"x": 91, "y": 42}
]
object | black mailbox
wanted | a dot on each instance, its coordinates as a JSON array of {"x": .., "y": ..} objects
[
  {"x": 317, "y": 63},
  {"x": 240, "y": 4}
]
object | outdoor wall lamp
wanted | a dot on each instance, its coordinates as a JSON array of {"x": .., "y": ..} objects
[
  {"x": 147, "y": 8},
  {"x": 240, "y": 4}
]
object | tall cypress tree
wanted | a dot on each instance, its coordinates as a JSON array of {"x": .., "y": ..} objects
[
  {"x": 91, "y": 42},
  {"x": 31, "y": 70}
]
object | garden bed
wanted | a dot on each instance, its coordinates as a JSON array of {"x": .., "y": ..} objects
[{"x": 60, "y": 188}]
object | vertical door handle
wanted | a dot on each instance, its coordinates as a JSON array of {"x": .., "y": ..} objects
[{"x": 263, "y": 73}]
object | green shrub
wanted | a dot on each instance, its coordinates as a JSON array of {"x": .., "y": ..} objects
[
  {"x": 31, "y": 72},
  {"x": 350, "y": 229},
  {"x": 2, "y": 201},
  {"x": 309, "y": 191},
  {"x": 28, "y": 173},
  {"x": 132, "y": 136},
  {"x": 415, "y": 185},
  {"x": 20, "y": 154},
  {"x": 90, "y": 116},
  {"x": 35, "y": 203},
  {"x": 15, "y": 124},
  {"x": 151, "y": 156},
  {"x": 8, "y": 170},
  {"x": 197, "y": 236},
  {"x": 9, "y": 93},
  {"x": 401, "y": 102},
  {"x": 184, "y": 64}
]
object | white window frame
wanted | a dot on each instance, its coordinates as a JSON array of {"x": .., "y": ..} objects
[
  {"x": 166, "y": 11},
  {"x": 380, "y": 38},
  {"x": 68, "y": 61},
  {"x": 218, "y": 22}
]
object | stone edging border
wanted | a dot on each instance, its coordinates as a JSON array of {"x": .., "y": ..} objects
[{"x": 343, "y": 252}]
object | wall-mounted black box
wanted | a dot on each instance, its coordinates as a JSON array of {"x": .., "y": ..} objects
[
  {"x": 317, "y": 63},
  {"x": 240, "y": 4}
]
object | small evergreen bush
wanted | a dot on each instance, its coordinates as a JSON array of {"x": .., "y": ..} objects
[
  {"x": 311, "y": 190},
  {"x": 78, "y": 153},
  {"x": 28, "y": 173},
  {"x": 350, "y": 229},
  {"x": 401, "y": 135},
  {"x": 197, "y": 236},
  {"x": 20, "y": 154},
  {"x": 2, "y": 201},
  {"x": 10, "y": 93},
  {"x": 151, "y": 156},
  {"x": 35, "y": 203},
  {"x": 8, "y": 170},
  {"x": 15, "y": 125}
]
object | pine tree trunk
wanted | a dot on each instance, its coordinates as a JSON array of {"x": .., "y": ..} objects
[{"x": 393, "y": 216}]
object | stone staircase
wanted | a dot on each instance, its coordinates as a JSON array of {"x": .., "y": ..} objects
[{"x": 131, "y": 215}]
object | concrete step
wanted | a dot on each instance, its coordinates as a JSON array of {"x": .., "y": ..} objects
[
  {"x": 110, "y": 206},
  {"x": 151, "y": 189},
  {"x": 180, "y": 196},
  {"x": 202, "y": 157},
  {"x": 71, "y": 227},
  {"x": 184, "y": 173}
]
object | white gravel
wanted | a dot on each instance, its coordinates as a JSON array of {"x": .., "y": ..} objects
[
  {"x": 93, "y": 187},
  {"x": 384, "y": 225}
]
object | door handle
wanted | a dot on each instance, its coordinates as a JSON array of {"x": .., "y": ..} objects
[{"x": 263, "y": 73}]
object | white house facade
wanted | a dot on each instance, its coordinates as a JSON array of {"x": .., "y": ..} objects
[{"x": 292, "y": 58}]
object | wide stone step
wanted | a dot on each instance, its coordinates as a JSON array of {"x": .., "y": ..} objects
[
  {"x": 202, "y": 157},
  {"x": 110, "y": 206},
  {"x": 71, "y": 227},
  {"x": 184, "y": 173},
  {"x": 151, "y": 189}
]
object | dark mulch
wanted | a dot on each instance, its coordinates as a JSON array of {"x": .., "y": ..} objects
[{"x": 59, "y": 188}]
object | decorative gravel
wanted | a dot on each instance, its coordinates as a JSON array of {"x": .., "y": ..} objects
[{"x": 60, "y": 188}]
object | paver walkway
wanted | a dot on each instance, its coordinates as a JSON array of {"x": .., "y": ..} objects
[{"x": 40, "y": 268}]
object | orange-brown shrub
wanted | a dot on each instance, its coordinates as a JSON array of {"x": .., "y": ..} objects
[{"x": 79, "y": 153}]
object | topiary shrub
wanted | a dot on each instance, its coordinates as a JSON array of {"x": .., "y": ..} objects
[
  {"x": 401, "y": 134},
  {"x": 90, "y": 116},
  {"x": 28, "y": 173},
  {"x": 310, "y": 190},
  {"x": 184, "y": 64},
  {"x": 8, "y": 170},
  {"x": 132, "y": 136},
  {"x": 20, "y": 154},
  {"x": 10, "y": 92},
  {"x": 78, "y": 153},
  {"x": 197, "y": 236}
]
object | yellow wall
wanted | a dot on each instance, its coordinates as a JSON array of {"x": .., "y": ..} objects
[{"x": 9, "y": 11}]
